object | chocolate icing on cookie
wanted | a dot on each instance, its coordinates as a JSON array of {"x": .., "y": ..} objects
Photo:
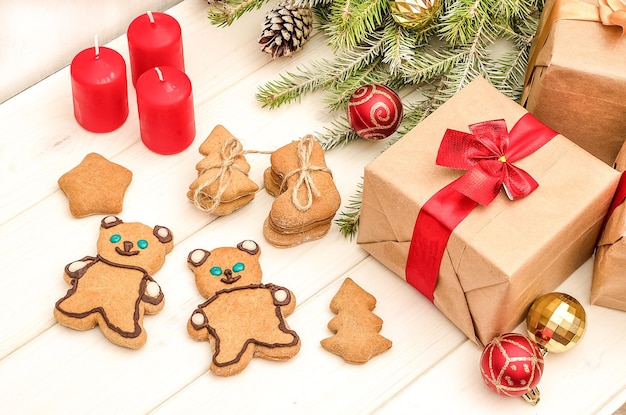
[
  {"x": 141, "y": 283},
  {"x": 281, "y": 325},
  {"x": 115, "y": 289},
  {"x": 242, "y": 318}
]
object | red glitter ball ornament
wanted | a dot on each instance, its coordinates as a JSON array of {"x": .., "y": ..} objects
[
  {"x": 512, "y": 365},
  {"x": 374, "y": 111}
]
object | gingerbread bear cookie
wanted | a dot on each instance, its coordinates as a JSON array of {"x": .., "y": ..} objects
[
  {"x": 114, "y": 289},
  {"x": 242, "y": 318}
]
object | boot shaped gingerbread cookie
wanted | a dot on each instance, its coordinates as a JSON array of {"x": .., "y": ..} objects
[
  {"x": 242, "y": 318},
  {"x": 306, "y": 196},
  {"x": 222, "y": 185},
  {"x": 114, "y": 289}
]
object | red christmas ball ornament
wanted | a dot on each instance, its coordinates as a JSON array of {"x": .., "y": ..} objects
[
  {"x": 374, "y": 111},
  {"x": 512, "y": 365}
]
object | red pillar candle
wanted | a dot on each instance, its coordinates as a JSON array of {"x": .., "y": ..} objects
[
  {"x": 154, "y": 39},
  {"x": 99, "y": 89},
  {"x": 166, "y": 115}
]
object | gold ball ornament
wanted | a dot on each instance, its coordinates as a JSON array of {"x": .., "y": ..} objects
[
  {"x": 414, "y": 14},
  {"x": 556, "y": 321}
]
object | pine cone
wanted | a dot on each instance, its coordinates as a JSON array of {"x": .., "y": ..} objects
[{"x": 286, "y": 28}]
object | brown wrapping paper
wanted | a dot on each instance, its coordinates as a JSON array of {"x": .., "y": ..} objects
[
  {"x": 620, "y": 160},
  {"x": 608, "y": 288},
  {"x": 577, "y": 82},
  {"x": 502, "y": 257}
]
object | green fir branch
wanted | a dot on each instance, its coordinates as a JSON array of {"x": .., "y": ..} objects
[
  {"x": 339, "y": 93},
  {"x": 338, "y": 134},
  {"x": 432, "y": 63},
  {"x": 525, "y": 29},
  {"x": 348, "y": 220},
  {"x": 414, "y": 113},
  {"x": 320, "y": 74},
  {"x": 507, "y": 72},
  {"x": 353, "y": 20},
  {"x": 512, "y": 9},
  {"x": 399, "y": 46},
  {"x": 471, "y": 66},
  {"x": 225, "y": 12},
  {"x": 313, "y": 3},
  {"x": 459, "y": 20}
]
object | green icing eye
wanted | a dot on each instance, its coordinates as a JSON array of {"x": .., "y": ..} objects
[
  {"x": 217, "y": 271},
  {"x": 142, "y": 243},
  {"x": 238, "y": 267},
  {"x": 115, "y": 238}
]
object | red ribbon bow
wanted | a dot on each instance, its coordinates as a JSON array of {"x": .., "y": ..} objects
[{"x": 486, "y": 154}]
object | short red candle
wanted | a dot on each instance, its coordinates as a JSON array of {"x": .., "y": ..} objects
[
  {"x": 99, "y": 89},
  {"x": 166, "y": 115},
  {"x": 154, "y": 39}
]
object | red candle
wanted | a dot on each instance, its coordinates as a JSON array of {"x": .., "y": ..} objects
[
  {"x": 154, "y": 39},
  {"x": 166, "y": 115},
  {"x": 99, "y": 89}
]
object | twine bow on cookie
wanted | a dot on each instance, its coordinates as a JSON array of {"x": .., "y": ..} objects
[
  {"x": 231, "y": 149},
  {"x": 303, "y": 152}
]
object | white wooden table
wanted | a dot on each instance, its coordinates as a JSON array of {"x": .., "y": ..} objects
[{"x": 47, "y": 368}]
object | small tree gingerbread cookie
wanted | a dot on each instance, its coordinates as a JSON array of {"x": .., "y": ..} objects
[
  {"x": 356, "y": 328},
  {"x": 222, "y": 185},
  {"x": 242, "y": 318},
  {"x": 114, "y": 289}
]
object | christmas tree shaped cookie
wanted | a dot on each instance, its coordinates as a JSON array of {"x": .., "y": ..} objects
[
  {"x": 356, "y": 328},
  {"x": 222, "y": 185}
]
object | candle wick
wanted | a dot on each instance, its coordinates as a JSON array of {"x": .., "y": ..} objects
[
  {"x": 97, "y": 48},
  {"x": 159, "y": 73},
  {"x": 150, "y": 17}
]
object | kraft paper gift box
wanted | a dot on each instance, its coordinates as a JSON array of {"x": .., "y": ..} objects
[
  {"x": 620, "y": 160},
  {"x": 576, "y": 78},
  {"x": 501, "y": 257},
  {"x": 608, "y": 287}
]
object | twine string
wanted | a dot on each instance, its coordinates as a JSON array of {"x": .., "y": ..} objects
[
  {"x": 303, "y": 152},
  {"x": 231, "y": 149}
]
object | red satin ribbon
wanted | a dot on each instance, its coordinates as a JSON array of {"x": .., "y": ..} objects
[
  {"x": 620, "y": 195},
  {"x": 486, "y": 154}
]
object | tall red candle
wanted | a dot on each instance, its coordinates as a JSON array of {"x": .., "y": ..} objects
[
  {"x": 154, "y": 39},
  {"x": 99, "y": 89},
  {"x": 166, "y": 115}
]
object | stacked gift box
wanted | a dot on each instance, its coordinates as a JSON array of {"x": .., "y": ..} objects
[{"x": 576, "y": 79}]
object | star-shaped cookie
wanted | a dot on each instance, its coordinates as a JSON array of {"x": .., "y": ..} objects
[{"x": 95, "y": 186}]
